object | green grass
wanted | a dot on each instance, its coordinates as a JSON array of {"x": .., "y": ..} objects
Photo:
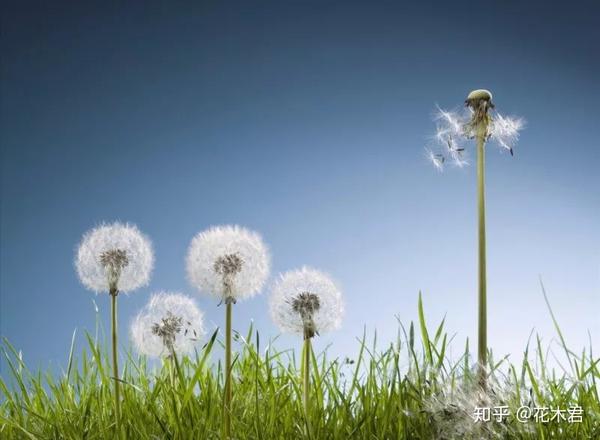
[{"x": 383, "y": 393}]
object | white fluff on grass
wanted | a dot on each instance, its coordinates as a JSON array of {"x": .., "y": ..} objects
[
  {"x": 288, "y": 289},
  {"x": 228, "y": 262},
  {"x": 452, "y": 409},
  {"x": 115, "y": 253},
  {"x": 170, "y": 322}
]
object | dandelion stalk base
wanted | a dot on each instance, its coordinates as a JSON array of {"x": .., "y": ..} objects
[
  {"x": 306, "y": 375},
  {"x": 227, "y": 395},
  {"x": 115, "y": 359}
]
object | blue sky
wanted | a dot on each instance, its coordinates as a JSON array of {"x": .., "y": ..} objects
[{"x": 306, "y": 121}]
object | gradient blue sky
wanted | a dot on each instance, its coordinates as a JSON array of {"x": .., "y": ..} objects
[{"x": 305, "y": 121}]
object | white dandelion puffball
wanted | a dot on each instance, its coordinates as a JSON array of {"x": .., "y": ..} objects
[
  {"x": 228, "y": 262},
  {"x": 169, "y": 323},
  {"x": 306, "y": 301},
  {"x": 114, "y": 256}
]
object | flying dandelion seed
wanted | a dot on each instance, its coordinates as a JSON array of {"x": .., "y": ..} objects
[
  {"x": 505, "y": 131},
  {"x": 437, "y": 160},
  {"x": 114, "y": 256},
  {"x": 170, "y": 323},
  {"x": 228, "y": 262},
  {"x": 306, "y": 302}
]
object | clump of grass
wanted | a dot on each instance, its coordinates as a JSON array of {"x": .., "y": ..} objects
[{"x": 381, "y": 393}]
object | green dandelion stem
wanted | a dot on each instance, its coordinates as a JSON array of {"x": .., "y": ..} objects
[
  {"x": 306, "y": 374},
  {"x": 115, "y": 360},
  {"x": 482, "y": 296},
  {"x": 227, "y": 396}
]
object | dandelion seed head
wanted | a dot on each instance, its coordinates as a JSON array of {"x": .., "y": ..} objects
[
  {"x": 167, "y": 329},
  {"x": 455, "y": 128},
  {"x": 170, "y": 322},
  {"x": 306, "y": 301},
  {"x": 228, "y": 262},
  {"x": 114, "y": 261},
  {"x": 114, "y": 256}
]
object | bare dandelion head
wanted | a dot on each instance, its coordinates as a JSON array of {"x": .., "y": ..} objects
[
  {"x": 480, "y": 102},
  {"x": 114, "y": 257},
  {"x": 307, "y": 302},
  {"x": 170, "y": 323},
  {"x": 228, "y": 262}
]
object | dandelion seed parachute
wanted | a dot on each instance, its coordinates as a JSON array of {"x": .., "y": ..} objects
[
  {"x": 228, "y": 261},
  {"x": 455, "y": 128},
  {"x": 169, "y": 322},
  {"x": 450, "y": 138},
  {"x": 114, "y": 245},
  {"x": 288, "y": 288},
  {"x": 450, "y": 124},
  {"x": 437, "y": 160},
  {"x": 505, "y": 130}
]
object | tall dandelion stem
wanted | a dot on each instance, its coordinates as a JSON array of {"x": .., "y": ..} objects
[
  {"x": 115, "y": 360},
  {"x": 231, "y": 263},
  {"x": 453, "y": 129},
  {"x": 482, "y": 283},
  {"x": 307, "y": 302},
  {"x": 306, "y": 374},
  {"x": 114, "y": 258},
  {"x": 227, "y": 396}
]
